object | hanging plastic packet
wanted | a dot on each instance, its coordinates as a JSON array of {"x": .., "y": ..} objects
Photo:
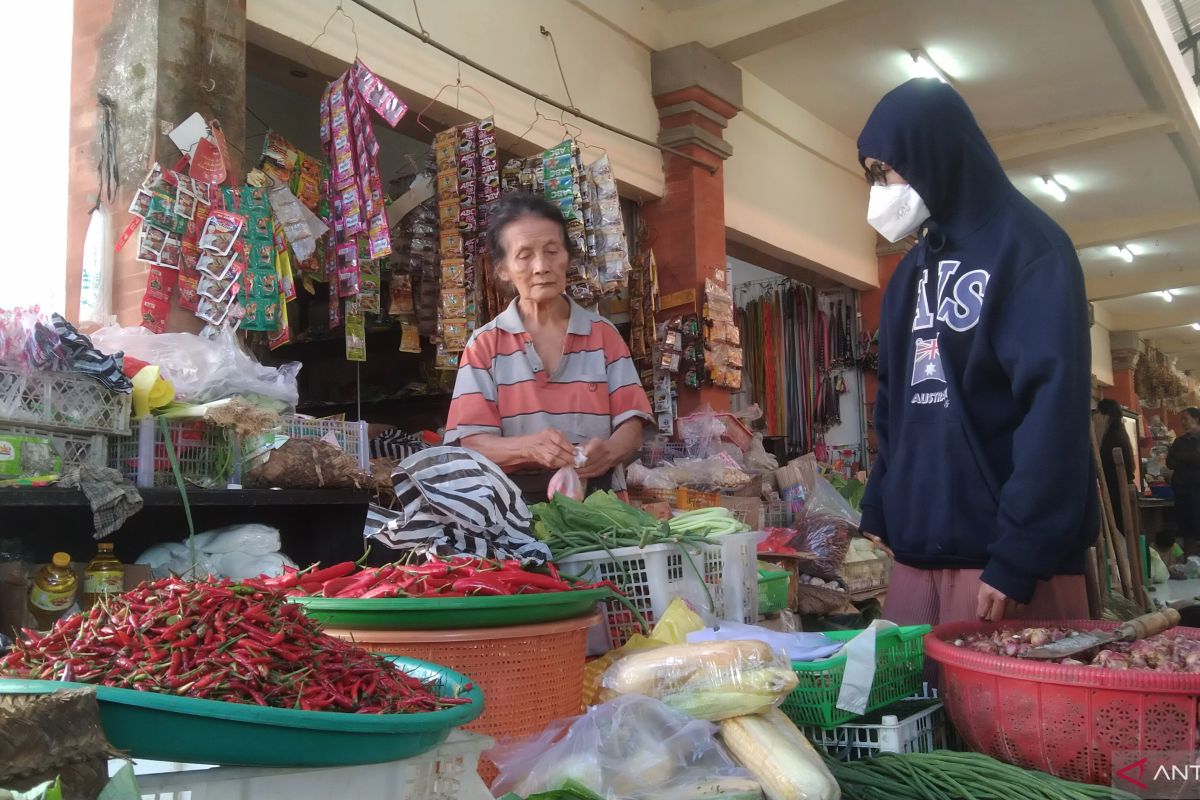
[{"x": 567, "y": 481}]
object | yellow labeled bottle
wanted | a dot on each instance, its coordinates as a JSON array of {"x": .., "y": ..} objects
[
  {"x": 53, "y": 591},
  {"x": 105, "y": 575}
]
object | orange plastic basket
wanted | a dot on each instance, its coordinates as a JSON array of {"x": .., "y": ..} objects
[
  {"x": 531, "y": 675},
  {"x": 1066, "y": 720}
]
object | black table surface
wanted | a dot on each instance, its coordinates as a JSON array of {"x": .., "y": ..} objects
[{"x": 314, "y": 525}]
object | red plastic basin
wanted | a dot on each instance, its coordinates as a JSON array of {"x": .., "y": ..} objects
[{"x": 1064, "y": 720}]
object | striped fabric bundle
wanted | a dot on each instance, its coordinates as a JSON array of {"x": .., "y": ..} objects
[{"x": 452, "y": 500}]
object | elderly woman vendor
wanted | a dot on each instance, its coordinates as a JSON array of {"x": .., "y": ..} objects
[{"x": 546, "y": 375}]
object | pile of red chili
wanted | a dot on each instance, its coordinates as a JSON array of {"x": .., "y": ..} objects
[
  {"x": 219, "y": 641},
  {"x": 456, "y": 576}
]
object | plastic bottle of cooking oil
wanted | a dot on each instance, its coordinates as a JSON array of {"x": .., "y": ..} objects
[
  {"x": 105, "y": 575},
  {"x": 53, "y": 591}
]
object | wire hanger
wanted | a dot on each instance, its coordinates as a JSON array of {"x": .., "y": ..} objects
[
  {"x": 458, "y": 86},
  {"x": 325, "y": 27},
  {"x": 538, "y": 116}
]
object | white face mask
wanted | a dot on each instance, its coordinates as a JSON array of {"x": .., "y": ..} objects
[{"x": 896, "y": 211}]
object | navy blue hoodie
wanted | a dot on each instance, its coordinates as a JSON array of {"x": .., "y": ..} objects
[{"x": 982, "y": 416}]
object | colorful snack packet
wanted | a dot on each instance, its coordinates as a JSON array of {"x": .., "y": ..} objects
[{"x": 221, "y": 230}]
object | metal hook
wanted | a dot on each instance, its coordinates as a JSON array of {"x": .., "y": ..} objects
[
  {"x": 211, "y": 87},
  {"x": 325, "y": 28}
]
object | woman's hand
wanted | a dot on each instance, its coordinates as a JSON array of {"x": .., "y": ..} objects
[
  {"x": 993, "y": 605},
  {"x": 879, "y": 543},
  {"x": 549, "y": 449}
]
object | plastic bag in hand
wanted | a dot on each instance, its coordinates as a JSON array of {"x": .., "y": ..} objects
[
  {"x": 567, "y": 481},
  {"x": 630, "y": 747}
]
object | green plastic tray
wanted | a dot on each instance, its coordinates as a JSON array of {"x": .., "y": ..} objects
[
  {"x": 165, "y": 727},
  {"x": 772, "y": 591},
  {"x": 447, "y": 613},
  {"x": 899, "y": 664}
]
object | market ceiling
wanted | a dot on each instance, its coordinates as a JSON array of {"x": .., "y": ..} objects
[{"x": 1092, "y": 93}]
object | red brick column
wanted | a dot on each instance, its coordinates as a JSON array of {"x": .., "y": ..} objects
[
  {"x": 696, "y": 94},
  {"x": 157, "y": 66}
]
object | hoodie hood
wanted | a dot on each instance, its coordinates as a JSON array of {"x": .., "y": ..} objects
[{"x": 924, "y": 130}]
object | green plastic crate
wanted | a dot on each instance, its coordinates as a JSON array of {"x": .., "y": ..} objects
[
  {"x": 899, "y": 664},
  {"x": 772, "y": 591}
]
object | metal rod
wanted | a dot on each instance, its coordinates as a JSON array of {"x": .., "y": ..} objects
[{"x": 427, "y": 39}]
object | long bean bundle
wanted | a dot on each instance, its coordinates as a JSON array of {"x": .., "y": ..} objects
[{"x": 948, "y": 775}]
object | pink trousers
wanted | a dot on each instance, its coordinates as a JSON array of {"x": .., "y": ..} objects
[{"x": 934, "y": 596}]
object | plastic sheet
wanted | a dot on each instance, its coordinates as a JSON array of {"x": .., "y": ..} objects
[
  {"x": 634, "y": 748},
  {"x": 203, "y": 370},
  {"x": 708, "y": 680}
]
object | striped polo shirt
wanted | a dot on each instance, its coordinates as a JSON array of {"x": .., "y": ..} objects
[{"x": 503, "y": 388}]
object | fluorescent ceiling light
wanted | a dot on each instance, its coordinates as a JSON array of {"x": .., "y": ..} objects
[
  {"x": 923, "y": 66},
  {"x": 1054, "y": 188},
  {"x": 1196, "y": 326},
  {"x": 1124, "y": 252},
  {"x": 1167, "y": 294}
]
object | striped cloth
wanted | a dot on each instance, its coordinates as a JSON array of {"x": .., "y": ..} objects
[
  {"x": 454, "y": 500},
  {"x": 503, "y": 387}
]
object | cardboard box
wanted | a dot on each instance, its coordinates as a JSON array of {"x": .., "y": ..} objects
[
  {"x": 748, "y": 509},
  {"x": 15, "y": 582}
]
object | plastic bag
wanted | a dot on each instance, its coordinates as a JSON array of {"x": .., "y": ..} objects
[
  {"x": 567, "y": 481},
  {"x": 796, "y": 646},
  {"x": 240, "y": 566},
  {"x": 1158, "y": 567},
  {"x": 251, "y": 539},
  {"x": 672, "y": 628},
  {"x": 203, "y": 370},
  {"x": 718, "y": 471},
  {"x": 701, "y": 431},
  {"x": 630, "y": 747},
  {"x": 709, "y": 680}
]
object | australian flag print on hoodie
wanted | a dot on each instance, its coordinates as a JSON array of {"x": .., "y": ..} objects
[{"x": 981, "y": 420}]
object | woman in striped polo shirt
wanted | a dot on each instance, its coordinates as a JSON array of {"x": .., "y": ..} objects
[{"x": 546, "y": 375}]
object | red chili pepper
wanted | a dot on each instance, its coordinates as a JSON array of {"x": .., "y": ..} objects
[{"x": 481, "y": 584}]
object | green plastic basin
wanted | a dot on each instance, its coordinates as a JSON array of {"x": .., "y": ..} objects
[
  {"x": 449, "y": 613},
  {"x": 165, "y": 727}
]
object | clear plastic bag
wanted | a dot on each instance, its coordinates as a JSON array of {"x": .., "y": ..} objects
[
  {"x": 706, "y": 680},
  {"x": 701, "y": 431},
  {"x": 203, "y": 370},
  {"x": 634, "y": 748},
  {"x": 567, "y": 481}
]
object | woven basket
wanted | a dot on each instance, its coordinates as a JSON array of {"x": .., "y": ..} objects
[
  {"x": 44, "y": 736},
  {"x": 817, "y": 600}
]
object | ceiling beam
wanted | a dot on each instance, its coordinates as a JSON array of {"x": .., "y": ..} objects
[
  {"x": 1036, "y": 145},
  {"x": 736, "y": 29},
  {"x": 1133, "y": 283},
  {"x": 1124, "y": 229},
  {"x": 1170, "y": 315}
]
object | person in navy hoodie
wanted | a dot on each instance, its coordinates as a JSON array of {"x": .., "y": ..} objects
[{"x": 983, "y": 486}]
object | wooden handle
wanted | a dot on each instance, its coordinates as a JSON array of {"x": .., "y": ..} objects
[{"x": 1150, "y": 624}]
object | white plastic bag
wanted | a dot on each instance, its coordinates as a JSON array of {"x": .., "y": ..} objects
[
  {"x": 630, "y": 747},
  {"x": 203, "y": 370},
  {"x": 796, "y": 646},
  {"x": 95, "y": 285},
  {"x": 567, "y": 481},
  {"x": 252, "y": 539},
  {"x": 240, "y": 566}
]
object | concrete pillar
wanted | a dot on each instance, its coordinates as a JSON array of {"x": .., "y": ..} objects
[
  {"x": 696, "y": 94},
  {"x": 157, "y": 59},
  {"x": 870, "y": 304}
]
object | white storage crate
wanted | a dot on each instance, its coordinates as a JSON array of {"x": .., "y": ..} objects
[
  {"x": 868, "y": 575},
  {"x": 73, "y": 448},
  {"x": 651, "y": 577},
  {"x": 446, "y": 773},
  {"x": 777, "y": 514},
  {"x": 61, "y": 401},
  {"x": 916, "y": 725},
  {"x": 205, "y": 453},
  {"x": 350, "y": 437}
]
